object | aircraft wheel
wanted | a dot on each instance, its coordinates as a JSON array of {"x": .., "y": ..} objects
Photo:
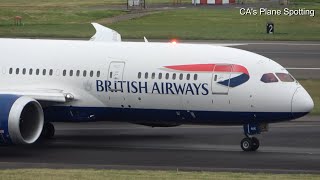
[
  {"x": 48, "y": 131},
  {"x": 246, "y": 144},
  {"x": 255, "y": 143}
]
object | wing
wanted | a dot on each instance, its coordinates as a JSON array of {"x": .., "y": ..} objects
[
  {"x": 51, "y": 95},
  {"x": 104, "y": 34}
]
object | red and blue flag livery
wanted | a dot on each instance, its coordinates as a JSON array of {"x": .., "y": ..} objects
[{"x": 242, "y": 74}]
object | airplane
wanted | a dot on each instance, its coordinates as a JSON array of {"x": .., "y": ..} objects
[{"x": 152, "y": 84}]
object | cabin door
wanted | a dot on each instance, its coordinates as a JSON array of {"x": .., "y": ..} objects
[
  {"x": 221, "y": 79},
  {"x": 116, "y": 96}
]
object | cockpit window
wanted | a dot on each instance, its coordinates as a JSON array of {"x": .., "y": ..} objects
[
  {"x": 269, "y": 78},
  {"x": 285, "y": 77}
]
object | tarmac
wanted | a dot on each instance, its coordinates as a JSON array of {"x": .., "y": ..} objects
[{"x": 290, "y": 147}]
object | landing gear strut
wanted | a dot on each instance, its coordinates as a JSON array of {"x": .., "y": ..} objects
[
  {"x": 252, "y": 143},
  {"x": 48, "y": 131}
]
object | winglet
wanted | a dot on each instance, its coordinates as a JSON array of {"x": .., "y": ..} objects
[
  {"x": 104, "y": 34},
  {"x": 145, "y": 39}
]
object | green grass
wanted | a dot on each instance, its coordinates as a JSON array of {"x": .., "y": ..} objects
[
  {"x": 51, "y": 21},
  {"x": 313, "y": 86},
  {"x": 60, "y": 19},
  {"x": 73, "y": 3},
  {"x": 304, "y": 1},
  {"x": 219, "y": 24},
  {"x": 41, "y": 174}
]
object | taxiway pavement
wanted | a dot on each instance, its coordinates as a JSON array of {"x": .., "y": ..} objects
[{"x": 290, "y": 147}]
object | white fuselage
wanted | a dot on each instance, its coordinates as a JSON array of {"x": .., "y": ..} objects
[{"x": 125, "y": 83}]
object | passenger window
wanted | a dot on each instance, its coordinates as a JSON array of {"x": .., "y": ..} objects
[
  {"x": 98, "y": 73},
  {"x": 160, "y": 76},
  {"x": 285, "y": 77},
  {"x": 10, "y": 71},
  {"x": 153, "y": 75},
  {"x": 71, "y": 73},
  {"x": 64, "y": 73},
  {"x": 51, "y": 72},
  {"x": 195, "y": 77},
  {"x": 24, "y": 71},
  {"x": 84, "y": 73},
  {"x": 269, "y": 78},
  {"x": 44, "y": 72},
  {"x": 91, "y": 73},
  {"x": 139, "y": 75},
  {"x": 174, "y": 76},
  {"x": 188, "y": 76},
  {"x": 30, "y": 71},
  {"x": 37, "y": 72},
  {"x": 181, "y": 76},
  {"x": 146, "y": 75},
  {"x": 167, "y": 75},
  {"x": 17, "y": 71},
  {"x": 78, "y": 73}
]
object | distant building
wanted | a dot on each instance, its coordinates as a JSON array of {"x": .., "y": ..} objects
[
  {"x": 218, "y": 2},
  {"x": 136, "y": 3}
]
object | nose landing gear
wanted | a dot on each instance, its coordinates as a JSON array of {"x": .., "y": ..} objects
[{"x": 252, "y": 143}]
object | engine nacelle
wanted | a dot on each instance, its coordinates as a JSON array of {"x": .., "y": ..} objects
[{"x": 21, "y": 119}]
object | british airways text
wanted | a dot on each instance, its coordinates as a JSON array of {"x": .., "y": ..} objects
[{"x": 153, "y": 88}]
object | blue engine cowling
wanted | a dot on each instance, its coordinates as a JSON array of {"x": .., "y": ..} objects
[{"x": 21, "y": 119}]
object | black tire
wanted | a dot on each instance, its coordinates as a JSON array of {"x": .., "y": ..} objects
[
  {"x": 48, "y": 131},
  {"x": 255, "y": 143},
  {"x": 246, "y": 144}
]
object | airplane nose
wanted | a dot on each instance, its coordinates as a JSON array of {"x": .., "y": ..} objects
[{"x": 301, "y": 103}]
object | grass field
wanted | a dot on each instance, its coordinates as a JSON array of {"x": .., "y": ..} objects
[
  {"x": 60, "y": 19},
  {"x": 42, "y": 174},
  {"x": 47, "y": 21},
  {"x": 304, "y": 1},
  {"x": 219, "y": 24},
  {"x": 73, "y": 3}
]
